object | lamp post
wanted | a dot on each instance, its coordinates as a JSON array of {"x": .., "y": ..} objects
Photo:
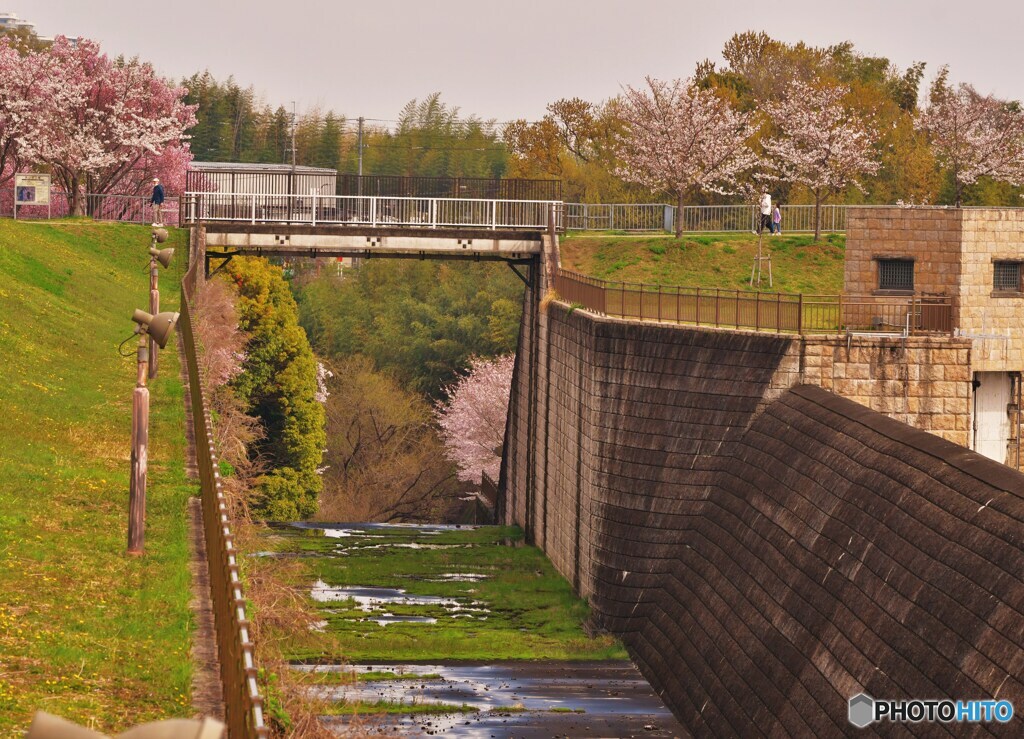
[
  {"x": 156, "y": 328},
  {"x": 160, "y": 257}
]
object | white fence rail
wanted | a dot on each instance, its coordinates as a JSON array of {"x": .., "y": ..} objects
[
  {"x": 695, "y": 218},
  {"x": 354, "y": 210},
  {"x": 125, "y": 208}
]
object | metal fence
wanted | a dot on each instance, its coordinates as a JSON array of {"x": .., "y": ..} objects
[
  {"x": 243, "y": 706},
  {"x": 696, "y": 218},
  {"x": 759, "y": 311},
  {"x": 106, "y": 207},
  {"x": 383, "y": 212}
]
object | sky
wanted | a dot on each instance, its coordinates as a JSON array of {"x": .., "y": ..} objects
[{"x": 508, "y": 59}]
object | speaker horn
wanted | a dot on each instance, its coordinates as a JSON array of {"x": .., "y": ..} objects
[
  {"x": 159, "y": 235},
  {"x": 164, "y": 256},
  {"x": 158, "y": 327}
]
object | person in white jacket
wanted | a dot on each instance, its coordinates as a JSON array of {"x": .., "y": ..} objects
[{"x": 766, "y": 213}]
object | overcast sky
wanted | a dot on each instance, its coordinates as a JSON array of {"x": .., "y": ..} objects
[{"x": 508, "y": 59}]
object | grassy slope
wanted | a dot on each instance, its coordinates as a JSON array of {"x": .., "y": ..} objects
[
  {"x": 85, "y": 631},
  {"x": 710, "y": 260}
]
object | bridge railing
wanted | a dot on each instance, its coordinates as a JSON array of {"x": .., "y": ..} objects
[
  {"x": 354, "y": 210},
  {"x": 103, "y": 207},
  {"x": 759, "y": 311},
  {"x": 243, "y": 705},
  {"x": 696, "y": 218}
]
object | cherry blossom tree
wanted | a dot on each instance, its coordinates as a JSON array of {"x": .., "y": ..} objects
[
  {"x": 819, "y": 142},
  {"x": 96, "y": 121},
  {"x": 20, "y": 78},
  {"x": 974, "y": 135},
  {"x": 472, "y": 419},
  {"x": 683, "y": 139}
]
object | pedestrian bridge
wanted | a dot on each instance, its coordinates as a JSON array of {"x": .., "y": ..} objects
[{"x": 369, "y": 226}]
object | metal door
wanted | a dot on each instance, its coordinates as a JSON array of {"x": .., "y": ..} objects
[{"x": 991, "y": 421}]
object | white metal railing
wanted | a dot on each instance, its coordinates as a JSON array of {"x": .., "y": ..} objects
[
  {"x": 106, "y": 207},
  {"x": 695, "y": 218},
  {"x": 354, "y": 210}
]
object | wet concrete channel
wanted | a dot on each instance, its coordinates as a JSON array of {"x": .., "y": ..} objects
[{"x": 445, "y": 697}]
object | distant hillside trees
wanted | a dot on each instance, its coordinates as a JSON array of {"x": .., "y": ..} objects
[{"x": 99, "y": 125}]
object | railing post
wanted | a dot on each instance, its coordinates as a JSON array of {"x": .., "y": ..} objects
[
  {"x": 314, "y": 209},
  {"x": 433, "y": 212},
  {"x": 718, "y": 306},
  {"x": 253, "y": 213},
  {"x": 494, "y": 215},
  {"x": 800, "y": 314},
  {"x": 373, "y": 211},
  {"x": 757, "y": 311},
  {"x": 697, "y": 307}
]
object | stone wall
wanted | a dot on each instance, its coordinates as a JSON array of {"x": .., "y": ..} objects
[
  {"x": 929, "y": 235},
  {"x": 767, "y": 549},
  {"x": 991, "y": 234}
]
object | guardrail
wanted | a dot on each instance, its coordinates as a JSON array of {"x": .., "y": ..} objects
[
  {"x": 243, "y": 706},
  {"x": 696, "y": 218},
  {"x": 105, "y": 207},
  {"x": 759, "y": 311},
  {"x": 354, "y": 210}
]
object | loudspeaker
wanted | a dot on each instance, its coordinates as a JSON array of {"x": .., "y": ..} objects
[
  {"x": 158, "y": 327},
  {"x": 159, "y": 235},
  {"x": 164, "y": 256}
]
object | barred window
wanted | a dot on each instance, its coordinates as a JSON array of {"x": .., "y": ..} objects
[
  {"x": 1006, "y": 276},
  {"x": 895, "y": 274}
]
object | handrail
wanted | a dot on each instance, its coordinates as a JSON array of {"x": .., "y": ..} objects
[
  {"x": 254, "y": 208},
  {"x": 243, "y": 705},
  {"x": 758, "y": 311}
]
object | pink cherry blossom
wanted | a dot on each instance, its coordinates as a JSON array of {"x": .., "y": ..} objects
[
  {"x": 974, "y": 135},
  {"x": 472, "y": 420},
  {"x": 682, "y": 138},
  {"x": 819, "y": 142}
]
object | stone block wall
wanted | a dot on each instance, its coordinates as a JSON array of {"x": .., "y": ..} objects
[
  {"x": 766, "y": 549},
  {"x": 991, "y": 234},
  {"x": 931, "y": 236},
  {"x": 921, "y": 381}
]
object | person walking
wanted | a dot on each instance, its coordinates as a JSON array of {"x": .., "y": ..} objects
[
  {"x": 766, "y": 213},
  {"x": 157, "y": 201},
  {"x": 776, "y": 220}
]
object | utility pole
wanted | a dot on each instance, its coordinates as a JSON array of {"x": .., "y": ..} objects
[
  {"x": 140, "y": 446},
  {"x": 154, "y": 301},
  {"x": 361, "y": 119},
  {"x": 293, "y": 136}
]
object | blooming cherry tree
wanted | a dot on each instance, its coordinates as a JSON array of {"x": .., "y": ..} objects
[
  {"x": 974, "y": 135},
  {"x": 683, "y": 139},
  {"x": 472, "y": 420},
  {"x": 819, "y": 143},
  {"x": 96, "y": 120}
]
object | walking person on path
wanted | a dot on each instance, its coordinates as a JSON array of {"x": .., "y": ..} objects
[
  {"x": 776, "y": 220},
  {"x": 157, "y": 201},
  {"x": 766, "y": 213}
]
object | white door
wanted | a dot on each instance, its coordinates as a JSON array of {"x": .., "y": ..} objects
[{"x": 991, "y": 421}]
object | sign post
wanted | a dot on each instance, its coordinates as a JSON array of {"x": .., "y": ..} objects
[{"x": 32, "y": 189}]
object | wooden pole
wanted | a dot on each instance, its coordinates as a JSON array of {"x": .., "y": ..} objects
[
  {"x": 139, "y": 458},
  {"x": 154, "y": 308}
]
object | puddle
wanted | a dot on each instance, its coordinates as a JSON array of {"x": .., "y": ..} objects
[
  {"x": 458, "y": 577},
  {"x": 370, "y": 599},
  {"x": 403, "y": 545},
  {"x": 576, "y": 699},
  {"x": 384, "y": 619}
]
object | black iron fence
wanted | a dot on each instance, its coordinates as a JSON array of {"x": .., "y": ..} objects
[{"x": 759, "y": 311}]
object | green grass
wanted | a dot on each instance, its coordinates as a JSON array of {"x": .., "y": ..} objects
[
  {"x": 532, "y": 611},
  {"x": 86, "y": 631},
  {"x": 710, "y": 260}
]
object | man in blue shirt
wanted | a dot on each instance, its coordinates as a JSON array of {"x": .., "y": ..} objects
[{"x": 157, "y": 201}]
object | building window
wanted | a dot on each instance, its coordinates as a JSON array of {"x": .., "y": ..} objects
[
  {"x": 1006, "y": 276},
  {"x": 895, "y": 274}
]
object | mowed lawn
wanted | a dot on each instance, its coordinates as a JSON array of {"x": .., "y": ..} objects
[
  {"x": 86, "y": 631},
  {"x": 710, "y": 260}
]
